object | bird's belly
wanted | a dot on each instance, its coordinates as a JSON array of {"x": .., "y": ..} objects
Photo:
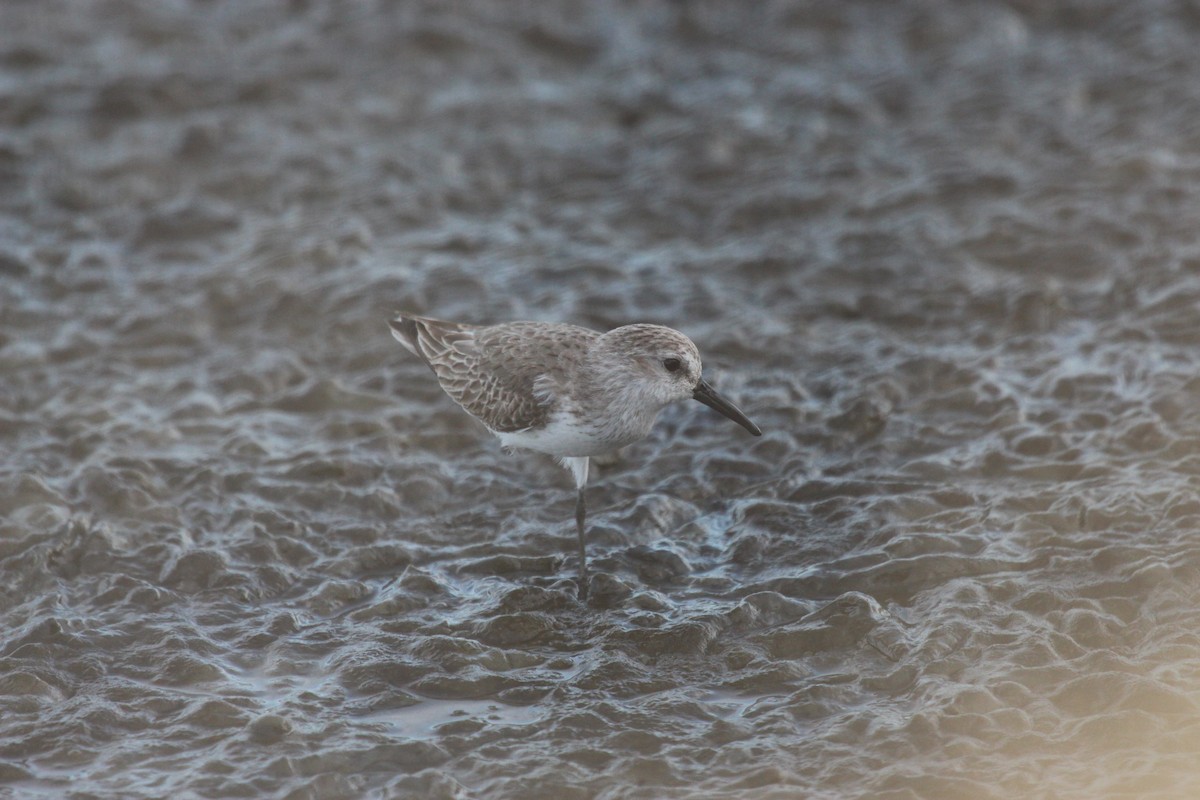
[{"x": 563, "y": 439}]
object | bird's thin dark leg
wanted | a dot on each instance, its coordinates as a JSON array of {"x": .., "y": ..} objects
[{"x": 580, "y": 514}]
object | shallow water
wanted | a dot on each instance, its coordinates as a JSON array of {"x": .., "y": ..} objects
[{"x": 945, "y": 254}]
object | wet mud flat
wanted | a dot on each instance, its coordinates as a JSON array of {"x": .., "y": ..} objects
[{"x": 944, "y": 254}]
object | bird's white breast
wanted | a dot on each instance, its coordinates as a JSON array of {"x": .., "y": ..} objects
[
  {"x": 561, "y": 437},
  {"x": 572, "y": 433}
]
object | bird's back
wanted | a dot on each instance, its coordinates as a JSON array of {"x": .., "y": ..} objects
[{"x": 503, "y": 375}]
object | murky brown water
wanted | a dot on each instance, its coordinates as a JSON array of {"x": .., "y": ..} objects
[{"x": 946, "y": 255}]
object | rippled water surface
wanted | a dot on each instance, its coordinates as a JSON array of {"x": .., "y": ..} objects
[{"x": 946, "y": 254}]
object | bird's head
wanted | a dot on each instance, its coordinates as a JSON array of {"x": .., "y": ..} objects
[{"x": 662, "y": 366}]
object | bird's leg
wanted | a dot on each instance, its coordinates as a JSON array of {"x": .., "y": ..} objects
[
  {"x": 579, "y": 468},
  {"x": 580, "y": 513}
]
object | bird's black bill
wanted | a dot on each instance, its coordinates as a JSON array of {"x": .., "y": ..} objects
[{"x": 708, "y": 395}]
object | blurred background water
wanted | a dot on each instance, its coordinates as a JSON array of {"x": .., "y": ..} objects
[{"x": 944, "y": 253}]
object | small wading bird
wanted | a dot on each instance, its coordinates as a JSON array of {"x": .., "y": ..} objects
[{"x": 563, "y": 390}]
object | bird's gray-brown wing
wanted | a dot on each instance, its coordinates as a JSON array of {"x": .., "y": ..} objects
[{"x": 503, "y": 375}]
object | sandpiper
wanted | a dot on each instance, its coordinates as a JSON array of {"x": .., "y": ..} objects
[{"x": 563, "y": 390}]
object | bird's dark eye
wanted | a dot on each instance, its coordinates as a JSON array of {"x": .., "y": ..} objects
[{"x": 672, "y": 364}]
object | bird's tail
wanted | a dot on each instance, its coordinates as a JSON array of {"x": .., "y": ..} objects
[
  {"x": 404, "y": 330},
  {"x": 427, "y": 338}
]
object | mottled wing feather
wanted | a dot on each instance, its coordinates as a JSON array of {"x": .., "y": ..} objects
[{"x": 503, "y": 375}]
